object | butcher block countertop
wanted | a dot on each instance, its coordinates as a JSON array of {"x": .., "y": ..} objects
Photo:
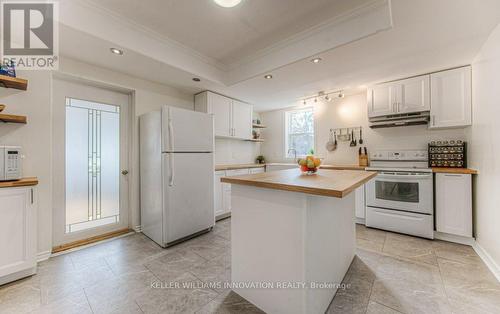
[
  {"x": 454, "y": 170},
  {"x": 238, "y": 166},
  {"x": 18, "y": 183},
  {"x": 334, "y": 183},
  {"x": 245, "y": 166}
]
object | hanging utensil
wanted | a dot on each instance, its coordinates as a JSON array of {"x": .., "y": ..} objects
[
  {"x": 330, "y": 145},
  {"x": 335, "y": 136},
  {"x": 353, "y": 140},
  {"x": 361, "y": 136}
]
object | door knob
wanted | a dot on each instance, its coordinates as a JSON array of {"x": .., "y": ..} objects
[{"x": 124, "y": 172}]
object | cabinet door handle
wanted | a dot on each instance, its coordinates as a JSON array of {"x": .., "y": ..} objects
[
  {"x": 433, "y": 120},
  {"x": 31, "y": 190}
]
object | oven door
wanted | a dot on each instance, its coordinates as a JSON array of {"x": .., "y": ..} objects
[{"x": 407, "y": 191}]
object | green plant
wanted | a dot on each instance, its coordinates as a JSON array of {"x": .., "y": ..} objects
[{"x": 260, "y": 159}]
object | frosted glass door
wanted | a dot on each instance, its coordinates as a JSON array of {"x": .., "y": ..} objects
[{"x": 92, "y": 164}]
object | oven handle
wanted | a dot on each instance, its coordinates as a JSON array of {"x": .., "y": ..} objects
[{"x": 409, "y": 176}]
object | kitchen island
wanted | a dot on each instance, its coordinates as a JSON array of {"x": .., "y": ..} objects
[{"x": 292, "y": 237}]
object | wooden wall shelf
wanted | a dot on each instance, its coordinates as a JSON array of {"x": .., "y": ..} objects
[
  {"x": 258, "y": 140},
  {"x": 13, "y": 82},
  {"x": 258, "y": 126},
  {"x": 10, "y": 118}
]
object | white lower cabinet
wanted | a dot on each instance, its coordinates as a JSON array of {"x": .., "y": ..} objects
[
  {"x": 454, "y": 204},
  {"x": 17, "y": 233},
  {"x": 223, "y": 190},
  {"x": 257, "y": 170},
  {"x": 276, "y": 167}
]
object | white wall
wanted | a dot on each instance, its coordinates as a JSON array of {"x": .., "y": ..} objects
[
  {"x": 228, "y": 151},
  {"x": 484, "y": 152},
  {"x": 348, "y": 112},
  {"x": 36, "y": 136}
]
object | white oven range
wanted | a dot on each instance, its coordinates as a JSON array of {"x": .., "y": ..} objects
[{"x": 400, "y": 197}]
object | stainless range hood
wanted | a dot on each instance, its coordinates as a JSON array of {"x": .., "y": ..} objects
[{"x": 391, "y": 121}]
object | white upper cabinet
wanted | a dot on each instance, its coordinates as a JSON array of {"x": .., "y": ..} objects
[
  {"x": 413, "y": 95},
  {"x": 399, "y": 97},
  {"x": 381, "y": 100},
  {"x": 451, "y": 98},
  {"x": 242, "y": 120},
  {"x": 232, "y": 118}
]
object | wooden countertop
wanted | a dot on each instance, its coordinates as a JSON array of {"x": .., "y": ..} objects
[
  {"x": 18, "y": 183},
  {"x": 334, "y": 183},
  {"x": 454, "y": 170},
  {"x": 329, "y": 167},
  {"x": 238, "y": 166}
]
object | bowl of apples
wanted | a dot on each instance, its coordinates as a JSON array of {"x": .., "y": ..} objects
[{"x": 309, "y": 165}]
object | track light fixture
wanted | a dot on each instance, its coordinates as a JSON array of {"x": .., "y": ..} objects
[{"x": 326, "y": 96}]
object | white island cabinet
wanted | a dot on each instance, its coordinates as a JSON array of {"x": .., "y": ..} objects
[
  {"x": 17, "y": 233},
  {"x": 292, "y": 237}
]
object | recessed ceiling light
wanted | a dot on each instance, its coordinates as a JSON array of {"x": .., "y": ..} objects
[
  {"x": 227, "y": 3},
  {"x": 196, "y": 79},
  {"x": 268, "y": 76},
  {"x": 316, "y": 60},
  {"x": 116, "y": 51}
]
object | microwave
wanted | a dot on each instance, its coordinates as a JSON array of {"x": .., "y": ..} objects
[{"x": 10, "y": 163}]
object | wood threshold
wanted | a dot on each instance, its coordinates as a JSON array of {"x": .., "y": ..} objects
[{"x": 75, "y": 244}]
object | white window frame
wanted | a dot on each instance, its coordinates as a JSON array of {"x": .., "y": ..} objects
[{"x": 285, "y": 133}]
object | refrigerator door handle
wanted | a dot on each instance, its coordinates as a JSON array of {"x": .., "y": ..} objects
[
  {"x": 171, "y": 142},
  {"x": 170, "y": 131},
  {"x": 171, "y": 166}
]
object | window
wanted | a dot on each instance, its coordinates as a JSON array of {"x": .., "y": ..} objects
[{"x": 299, "y": 132}]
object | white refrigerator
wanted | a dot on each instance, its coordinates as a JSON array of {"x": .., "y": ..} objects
[{"x": 177, "y": 174}]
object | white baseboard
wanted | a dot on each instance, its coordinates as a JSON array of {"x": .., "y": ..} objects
[
  {"x": 138, "y": 228},
  {"x": 43, "y": 256},
  {"x": 487, "y": 259},
  {"x": 453, "y": 238},
  {"x": 360, "y": 221}
]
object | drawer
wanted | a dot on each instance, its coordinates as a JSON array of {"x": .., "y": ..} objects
[
  {"x": 256, "y": 170},
  {"x": 236, "y": 172},
  {"x": 419, "y": 225}
]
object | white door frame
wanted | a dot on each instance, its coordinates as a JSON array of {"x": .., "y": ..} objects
[{"x": 63, "y": 87}]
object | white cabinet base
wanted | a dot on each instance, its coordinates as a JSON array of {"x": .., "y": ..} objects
[{"x": 18, "y": 275}]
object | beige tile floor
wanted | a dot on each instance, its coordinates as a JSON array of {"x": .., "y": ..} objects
[{"x": 391, "y": 273}]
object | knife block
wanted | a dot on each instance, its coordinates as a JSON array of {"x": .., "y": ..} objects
[{"x": 363, "y": 160}]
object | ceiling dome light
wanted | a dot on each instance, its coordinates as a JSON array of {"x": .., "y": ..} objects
[
  {"x": 268, "y": 76},
  {"x": 316, "y": 60},
  {"x": 116, "y": 51},
  {"x": 227, "y": 3}
]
